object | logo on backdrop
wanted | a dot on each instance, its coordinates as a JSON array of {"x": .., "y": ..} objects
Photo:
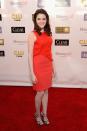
[
  {"x": 85, "y": 17},
  {"x": 63, "y": 54},
  {"x": 0, "y": 17},
  {"x": 0, "y": 3},
  {"x": 83, "y": 3},
  {"x": 16, "y": 16},
  {"x": 41, "y": 3},
  {"x": 1, "y": 41},
  {"x": 62, "y": 30},
  {"x": 65, "y": 17},
  {"x": 2, "y": 53},
  {"x": 61, "y": 42},
  {"x": 18, "y": 53},
  {"x": 18, "y": 29},
  {"x": 83, "y": 29},
  {"x": 84, "y": 54},
  {"x": 0, "y": 29},
  {"x": 18, "y": 2},
  {"x": 20, "y": 42},
  {"x": 83, "y": 42},
  {"x": 62, "y": 3}
]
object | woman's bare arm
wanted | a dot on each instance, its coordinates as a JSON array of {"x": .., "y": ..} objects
[{"x": 31, "y": 40}]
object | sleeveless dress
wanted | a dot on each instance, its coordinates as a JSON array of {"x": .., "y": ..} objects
[{"x": 42, "y": 61}]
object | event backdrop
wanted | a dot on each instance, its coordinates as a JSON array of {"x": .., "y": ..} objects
[{"x": 68, "y": 19}]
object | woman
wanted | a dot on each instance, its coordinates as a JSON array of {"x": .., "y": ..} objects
[{"x": 40, "y": 61}]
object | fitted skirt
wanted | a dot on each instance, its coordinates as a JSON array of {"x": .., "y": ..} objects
[{"x": 43, "y": 71}]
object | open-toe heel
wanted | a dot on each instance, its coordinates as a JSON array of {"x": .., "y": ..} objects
[
  {"x": 45, "y": 119},
  {"x": 38, "y": 120}
]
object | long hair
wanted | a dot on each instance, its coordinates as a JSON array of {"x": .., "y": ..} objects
[{"x": 47, "y": 28}]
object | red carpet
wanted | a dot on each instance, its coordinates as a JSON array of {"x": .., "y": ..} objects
[{"x": 67, "y": 109}]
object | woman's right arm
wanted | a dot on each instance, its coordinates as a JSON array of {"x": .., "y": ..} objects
[{"x": 31, "y": 40}]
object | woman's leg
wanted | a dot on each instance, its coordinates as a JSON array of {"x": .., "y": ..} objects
[
  {"x": 38, "y": 99},
  {"x": 45, "y": 102},
  {"x": 44, "y": 105}
]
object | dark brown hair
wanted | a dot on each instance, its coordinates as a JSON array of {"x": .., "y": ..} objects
[{"x": 47, "y": 28}]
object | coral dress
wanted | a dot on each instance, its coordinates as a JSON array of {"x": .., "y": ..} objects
[{"x": 42, "y": 61}]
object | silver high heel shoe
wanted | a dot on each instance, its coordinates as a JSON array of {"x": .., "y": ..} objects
[
  {"x": 45, "y": 119},
  {"x": 38, "y": 120}
]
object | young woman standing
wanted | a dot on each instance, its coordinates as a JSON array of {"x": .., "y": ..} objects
[{"x": 41, "y": 63}]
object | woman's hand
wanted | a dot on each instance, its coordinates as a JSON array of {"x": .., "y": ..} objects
[{"x": 34, "y": 79}]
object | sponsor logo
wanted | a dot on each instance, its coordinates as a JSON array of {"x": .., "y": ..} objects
[
  {"x": 64, "y": 54},
  {"x": 83, "y": 29},
  {"x": 0, "y": 29},
  {"x": 21, "y": 42},
  {"x": 62, "y": 30},
  {"x": 85, "y": 17},
  {"x": 0, "y": 17},
  {"x": 83, "y": 3},
  {"x": 16, "y": 16},
  {"x": 65, "y": 17},
  {"x": 62, "y": 3},
  {"x": 18, "y": 2},
  {"x": 61, "y": 42},
  {"x": 18, "y": 53},
  {"x": 18, "y": 29},
  {"x": 41, "y": 3},
  {"x": 2, "y": 53},
  {"x": 1, "y": 41},
  {"x": 2, "y": 2},
  {"x": 83, "y": 42},
  {"x": 84, "y": 54}
]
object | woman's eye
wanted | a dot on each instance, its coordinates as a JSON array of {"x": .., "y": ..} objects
[
  {"x": 38, "y": 19},
  {"x": 44, "y": 19}
]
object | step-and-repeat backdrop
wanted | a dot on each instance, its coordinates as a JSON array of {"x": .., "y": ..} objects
[{"x": 68, "y": 19}]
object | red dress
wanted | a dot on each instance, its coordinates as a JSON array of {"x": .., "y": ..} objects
[{"x": 42, "y": 61}]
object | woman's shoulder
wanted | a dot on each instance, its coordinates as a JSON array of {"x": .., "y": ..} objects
[{"x": 32, "y": 35}]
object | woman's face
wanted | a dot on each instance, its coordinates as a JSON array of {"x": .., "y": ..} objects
[{"x": 41, "y": 20}]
